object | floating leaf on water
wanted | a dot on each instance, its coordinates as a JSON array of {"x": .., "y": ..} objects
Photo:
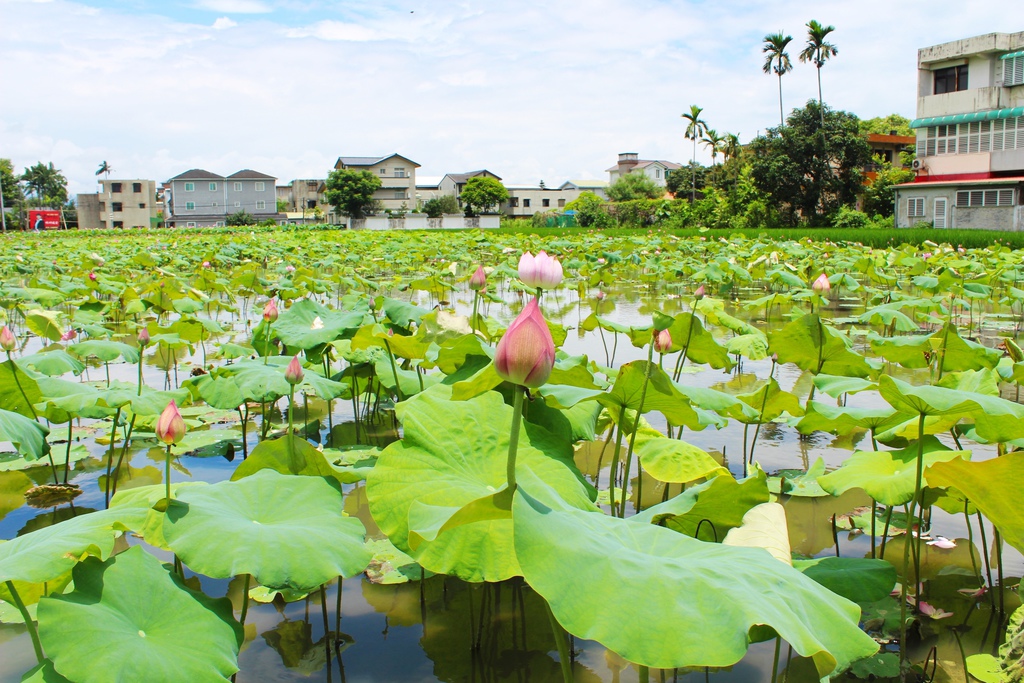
[{"x": 51, "y": 495}]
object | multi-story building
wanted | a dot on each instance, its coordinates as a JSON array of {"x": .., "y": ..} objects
[
  {"x": 397, "y": 178},
  {"x": 970, "y": 136},
  {"x": 200, "y": 198},
  {"x": 655, "y": 169},
  {"x": 526, "y": 200},
  {"x": 131, "y": 203}
]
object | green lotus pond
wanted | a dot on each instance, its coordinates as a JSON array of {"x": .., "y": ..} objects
[{"x": 733, "y": 470}]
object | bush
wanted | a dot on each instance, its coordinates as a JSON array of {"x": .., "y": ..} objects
[
  {"x": 242, "y": 217},
  {"x": 438, "y": 206},
  {"x": 847, "y": 218},
  {"x": 591, "y": 211}
]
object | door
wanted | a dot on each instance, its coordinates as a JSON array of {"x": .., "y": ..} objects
[{"x": 939, "y": 220}]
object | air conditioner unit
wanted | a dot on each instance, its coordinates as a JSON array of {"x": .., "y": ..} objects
[{"x": 917, "y": 164}]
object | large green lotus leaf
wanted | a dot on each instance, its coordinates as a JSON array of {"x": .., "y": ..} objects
[
  {"x": 221, "y": 392},
  {"x": 714, "y": 596},
  {"x": 855, "y": 578},
  {"x": 687, "y": 332},
  {"x": 984, "y": 381},
  {"x": 287, "y": 532},
  {"x": 129, "y": 619},
  {"x": 47, "y": 553},
  {"x": 672, "y": 460},
  {"x": 910, "y": 351},
  {"x": 992, "y": 485},
  {"x": 837, "y": 386},
  {"x": 885, "y": 315},
  {"x": 887, "y": 476},
  {"x": 770, "y": 401},
  {"x": 308, "y": 324},
  {"x": 259, "y": 381},
  {"x": 845, "y": 419},
  {"x": 52, "y": 363},
  {"x": 28, "y": 436},
  {"x": 15, "y": 387},
  {"x": 710, "y": 509},
  {"x": 816, "y": 347},
  {"x": 63, "y": 400},
  {"x": 764, "y": 526},
  {"x": 401, "y": 312},
  {"x": 12, "y": 490},
  {"x": 752, "y": 346},
  {"x": 291, "y": 454},
  {"x": 453, "y": 457},
  {"x": 960, "y": 353},
  {"x": 105, "y": 350},
  {"x": 410, "y": 379},
  {"x": 43, "y": 673},
  {"x": 44, "y": 324},
  {"x": 151, "y": 402}
]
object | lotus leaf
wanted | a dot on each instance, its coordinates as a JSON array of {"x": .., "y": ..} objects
[
  {"x": 28, "y": 436},
  {"x": 291, "y": 454},
  {"x": 855, "y": 578},
  {"x": 764, "y": 526},
  {"x": 816, "y": 347},
  {"x": 51, "y": 551},
  {"x": 298, "y": 327},
  {"x": 52, "y": 363}
]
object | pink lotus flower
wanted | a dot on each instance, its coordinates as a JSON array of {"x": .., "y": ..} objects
[
  {"x": 600, "y": 295},
  {"x": 206, "y": 264},
  {"x": 290, "y": 269},
  {"x": 69, "y": 335},
  {"x": 143, "y": 337},
  {"x": 933, "y": 612},
  {"x": 479, "y": 279},
  {"x": 526, "y": 354},
  {"x": 293, "y": 373},
  {"x": 7, "y": 340},
  {"x": 698, "y": 293},
  {"x": 821, "y": 285},
  {"x": 270, "y": 311},
  {"x": 942, "y": 542},
  {"x": 662, "y": 341},
  {"x": 170, "y": 427},
  {"x": 92, "y": 277},
  {"x": 540, "y": 271}
]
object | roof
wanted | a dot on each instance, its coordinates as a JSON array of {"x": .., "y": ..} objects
[
  {"x": 463, "y": 177},
  {"x": 642, "y": 163},
  {"x": 584, "y": 184},
  {"x": 989, "y": 115},
  {"x": 369, "y": 161},
  {"x": 945, "y": 183},
  {"x": 248, "y": 173},
  {"x": 1013, "y": 54},
  {"x": 891, "y": 139},
  {"x": 197, "y": 174}
]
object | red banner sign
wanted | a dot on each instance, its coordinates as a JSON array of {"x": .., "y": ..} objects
[{"x": 43, "y": 219}]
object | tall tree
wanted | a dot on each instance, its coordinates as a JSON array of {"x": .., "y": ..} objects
[
  {"x": 47, "y": 183},
  {"x": 713, "y": 141},
  {"x": 482, "y": 194},
  {"x": 775, "y": 45},
  {"x": 730, "y": 146},
  {"x": 818, "y": 51},
  {"x": 351, "y": 192},
  {"x": 636, "y": 185},
  {"x": 695, "y": 128}
]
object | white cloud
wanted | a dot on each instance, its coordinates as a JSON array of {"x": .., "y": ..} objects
[
  {"x": 335, "y": 30},
  {"x": 235, "y": 6},
  {"x": 223, "y": 23}
]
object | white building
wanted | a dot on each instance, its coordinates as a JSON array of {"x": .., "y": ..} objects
[
  {"x": 970, "y": 136},
  {"x": 655, "y": 169}
]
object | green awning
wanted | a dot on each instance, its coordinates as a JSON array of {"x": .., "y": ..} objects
[
  {"x": 1013, "y": 54},
  {"x": 989, "y": 115}
]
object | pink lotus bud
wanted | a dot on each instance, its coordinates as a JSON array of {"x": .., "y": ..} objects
[
  {"x": 206, "y": 264},
  {"x": 293, "y": 373},
  {"x": 270, "y": 312},
  {"x": 698, "y": 293},
  {"x": 170, "y": 427},
  {"x": 290, "y": 268},
  {"x": 526, "y": 354},
  {"x": 662, "y": 341},
  {"x": 821, "y": 285},
  {"x": 540, "y": 271},
  {"x": 143, "y": 337},
  {"x": 600, "y": 295},
  {"x": 92, "y": 276},
  {"x": 479, "y": 279},
  {"x": 926, "y": 255},
  {"x": 7, "y": 340},
  {"x": 69, "y": 335}
]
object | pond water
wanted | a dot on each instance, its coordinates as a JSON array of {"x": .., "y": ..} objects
[{"x": 442, "y": 629}]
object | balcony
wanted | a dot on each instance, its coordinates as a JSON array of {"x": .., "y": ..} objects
[{"x": 964, "y": 101}]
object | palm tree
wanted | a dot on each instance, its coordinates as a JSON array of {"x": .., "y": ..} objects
[
  {"x": 818, "y": 51},
  {"x": 695, "y": 127},
  {"x": 777, "y": 61},
  {"x": 46, "y": 182},
  {"x": 713, "y": 141},
  {"x": 730, "y": 146}
]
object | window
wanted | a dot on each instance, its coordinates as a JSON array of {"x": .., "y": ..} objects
[
  {"x": 561, "y": 203},
  {"x": 399, "y": 194},
  {"x": 311, "y": 184},
  {"x": 545, "y": 203},
  {"x": 213, "y": 187},
  {"x": 310, "y": 203},
  {"x": 950, "y": 79},
  {"x": 142, "y": 205},
  {"x": 513, "y": 202},
  {"x": 190, "y": 224},
  {"x": 238, "y": 204},
  {"x": 526, "y": 203},
  {"x": 382, "y": 171},
  {"x": 190, "y": 206},
  {"x": 115, "y": 187},
  {"x": 997, "y": 197},
  {"x": 190, "y": 187},
  {"x": 972, "y": 137},
  {"x": 657, "y": 173},
  {"x": 1013, "y": 70},
  {"x": 136, "y": 188},
  {"x": 118, "y": 224},
  {"x": 399, "y": 172},
  {"x": 117, "y": 207},
  {"x": 238, "y": 187},
  {"x": 215, "y": 203},
  {"x": 915, "y": 207},
  {"x": 261, "y": 186},
  {"x": 261, "y": 205}
]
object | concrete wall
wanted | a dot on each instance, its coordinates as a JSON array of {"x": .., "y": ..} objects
[
  {"x": 986, "y": 217},
  {"x": 137, "y": 200},
  {"x": 420, "y": 221},
  {"x": 88, "y": 206},
  {"x": 978, "y": 217}
]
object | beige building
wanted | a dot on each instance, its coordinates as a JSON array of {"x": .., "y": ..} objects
[
  {"x": 655, "y": 169},
  {"x": 303, "y": 196},
  {"x": 526, "y": 200},
  {"x": 397, "y": 177},
  {"x": 132, "y": 203}
]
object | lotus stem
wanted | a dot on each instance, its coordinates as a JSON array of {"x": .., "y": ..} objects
[
  {"x": 67, "y": 453},
  {"x": 874, "y": 507},
  {"x": 513, "y": 437},
  {"x": 885, "y": 530},
  {"x": 636, "y": 428},
  {"x": 291, "y": 409},
  {"x": 167, "y": 473},
  {"x": 245, "y": 600},
  {"x": 615, "y": 462},
  {"x": 997, "y": 541},
  {"x": 562, "y": 644},
  {"x": 394, "y": 371},
  {"x": 775, "y": 660},
  {"x": 970, "y": 540},
  {"x": 686, "y": 344},
  {"x": 124, "y": 450},
  {"x": 908, "y": 540},
  {"x": 643, "y": 674},
  {"x": 110, "y": 455},
  {"x": 140, "y": 370},
  {"x": 14, "y": 372},
  {"x": 29, "y": 622},
  {"x": 984, "y": 555},
  {"x": 266, "y": 345},
  {"x": 476, "y": 304}
]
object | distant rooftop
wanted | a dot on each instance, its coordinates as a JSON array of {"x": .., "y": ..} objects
[
  {"x": 247, "y": 173},
  {"x": 197, "y": 174}
]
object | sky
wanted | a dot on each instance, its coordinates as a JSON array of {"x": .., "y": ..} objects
[{"x": 529, "y": 89}]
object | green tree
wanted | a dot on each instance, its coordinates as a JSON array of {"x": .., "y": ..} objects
[
  {"x": 9, "y": 183},
  {"x": 482, "y": 194},
  {"x": 591, "y": 211},
  {"x": 778, "y": 61},
  {"x": 879, "y": 194},
  {"x": 713, "y": 141},
  {"x": 695, "y": 128},
  {"x": 282, "y": 206},
  {"x": 818, "y": 51},
  {"x": 731, "y": 146},
  {"x": 886, "y": 125},
  {"x": 242, "y": 217},
  {"x": 438, "y": 206},
  {"x": 634, "y": 186},
  {"x": 804, "y": 179},
  {"x": 47, "y": 183},
  {"x": 687, "y": 180},
  {"x": 350, "y": 192}
]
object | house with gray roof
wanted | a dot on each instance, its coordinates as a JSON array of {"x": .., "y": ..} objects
[
  {"x": 655, "y": 169},
  {"x": 397, "y": 178},
  {"x": 200, "y": 198}
]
